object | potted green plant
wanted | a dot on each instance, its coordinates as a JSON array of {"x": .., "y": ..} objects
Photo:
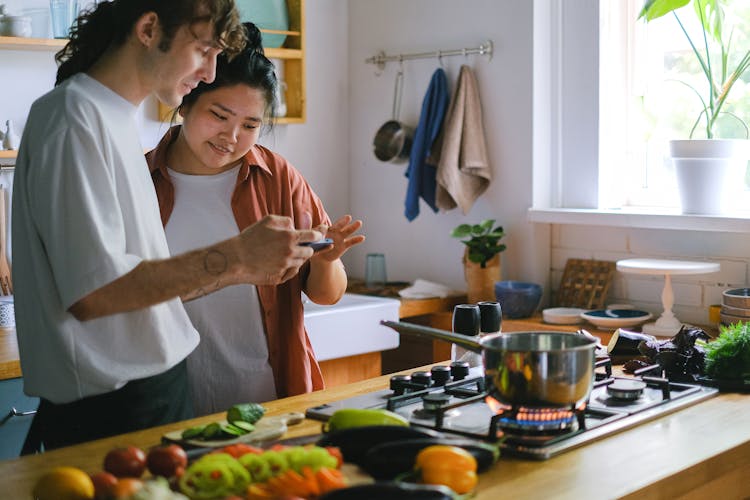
[
  {"x": 481, "y": 258},
  {"x": 709, "y": 171}
]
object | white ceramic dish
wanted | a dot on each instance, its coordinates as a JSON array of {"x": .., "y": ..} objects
[
  {"x": 616, "y": 318},
  {"x": 563, "y": 315}
]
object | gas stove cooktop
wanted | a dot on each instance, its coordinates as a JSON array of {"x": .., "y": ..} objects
[{"x": 453, "y": 400}]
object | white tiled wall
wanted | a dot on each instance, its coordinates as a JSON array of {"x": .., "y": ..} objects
[{"x": 692, "y": 293}]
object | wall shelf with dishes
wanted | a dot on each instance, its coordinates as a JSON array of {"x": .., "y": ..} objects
[{"x": 291, "y": 56}]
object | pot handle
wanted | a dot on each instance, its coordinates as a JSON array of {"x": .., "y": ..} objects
[
  {"x": 397, "y": 94},
  {"x": 464, "y": 341}
]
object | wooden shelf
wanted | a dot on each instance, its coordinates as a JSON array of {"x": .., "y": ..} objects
[
  {"x": 292, "y": 56},
  {"x": 282, "y": 53},
  {"x": 37, "y": 44},
  {"x": 8, "y": 154}
]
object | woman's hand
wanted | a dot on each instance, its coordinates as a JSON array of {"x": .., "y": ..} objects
[{"x": 341, "y": 233}]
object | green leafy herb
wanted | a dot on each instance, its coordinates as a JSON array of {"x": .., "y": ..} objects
[
  {"x": 484, "y": 241},
  {"x": 728, "y": 356}
]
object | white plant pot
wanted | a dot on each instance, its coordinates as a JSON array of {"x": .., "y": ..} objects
[{"x": 709, "y": 173}]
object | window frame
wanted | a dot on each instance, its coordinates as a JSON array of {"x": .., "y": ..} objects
[{"x": 566, "y": 177}]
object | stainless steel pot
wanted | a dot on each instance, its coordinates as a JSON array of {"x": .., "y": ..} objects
[
  {"x": 534, "y": 369},
  {"x": 393, "y": 139}
]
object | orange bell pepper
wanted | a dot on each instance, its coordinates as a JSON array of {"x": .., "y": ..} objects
[{"x": 450, "y": 466}]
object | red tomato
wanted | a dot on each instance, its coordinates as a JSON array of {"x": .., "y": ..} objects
[
  {"x": 166, "y": 460},
  {"x": 125, "y": 462},
  {"x": 104, "y": 484}
]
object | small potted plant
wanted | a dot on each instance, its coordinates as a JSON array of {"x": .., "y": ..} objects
[
  {"x": 700, "y": 162},
  {"x": 481, "y": 257}
]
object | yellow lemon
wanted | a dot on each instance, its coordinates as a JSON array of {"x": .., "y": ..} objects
[{"x": 64, "y": 483}]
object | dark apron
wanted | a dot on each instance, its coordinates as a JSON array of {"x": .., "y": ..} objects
[{"x": 139, "y": 404}]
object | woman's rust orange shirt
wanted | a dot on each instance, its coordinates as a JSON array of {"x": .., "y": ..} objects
[{"x": 266, "y": 185}]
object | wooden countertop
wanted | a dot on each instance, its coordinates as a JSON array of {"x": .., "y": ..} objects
[
  {"x": 693, "y": 453},
  {"x": 10, "y": 367}
]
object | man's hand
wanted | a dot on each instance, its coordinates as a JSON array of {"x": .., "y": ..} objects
[{"x": 270, "y": 253}]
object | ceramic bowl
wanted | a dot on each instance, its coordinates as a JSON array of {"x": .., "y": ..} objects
[
  {"x": 563, "y": 315},
  {"x": 518, "y": 299},
  {"x": 738, "y": 297},
  {"x": 616, "y": 318}
]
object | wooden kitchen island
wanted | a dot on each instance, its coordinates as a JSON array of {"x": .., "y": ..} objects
[{"x": 699, "y": 452}]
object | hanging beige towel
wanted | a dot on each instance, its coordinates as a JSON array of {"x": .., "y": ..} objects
[{"x": 463, "y": 171}]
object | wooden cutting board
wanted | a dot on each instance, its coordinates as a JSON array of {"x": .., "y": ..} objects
[{"x": 266, "y": 429}]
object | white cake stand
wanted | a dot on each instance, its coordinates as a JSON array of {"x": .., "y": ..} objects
[{"x": 667, "y": 325}]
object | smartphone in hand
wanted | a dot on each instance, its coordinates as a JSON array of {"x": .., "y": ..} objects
[{"x": 318, "y": 245}]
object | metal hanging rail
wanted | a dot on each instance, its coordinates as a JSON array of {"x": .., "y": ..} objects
[{"x": 381, "y": 58}]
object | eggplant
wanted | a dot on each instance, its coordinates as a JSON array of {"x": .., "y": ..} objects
[
  {"x": 391, "y": 491},
  {"x": 388, "y": 460},
  {"x": 355, "y": 442}
]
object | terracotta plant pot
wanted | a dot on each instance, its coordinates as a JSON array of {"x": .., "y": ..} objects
[{"x": 480, "y": 281}]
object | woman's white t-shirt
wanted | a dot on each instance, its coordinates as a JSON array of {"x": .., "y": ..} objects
[{"x": 231, "y": 363}]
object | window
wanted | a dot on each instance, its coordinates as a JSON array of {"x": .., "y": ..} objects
[
  {"x": 645, "y": 98},
  {"x": 600, "y": 79}
]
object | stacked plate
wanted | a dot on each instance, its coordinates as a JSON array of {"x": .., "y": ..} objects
[{"x": 735, "y": 306}]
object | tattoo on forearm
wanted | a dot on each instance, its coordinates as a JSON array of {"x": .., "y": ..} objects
[{"x": 215, "y": 262}]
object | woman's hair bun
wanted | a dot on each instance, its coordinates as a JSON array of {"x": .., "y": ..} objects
[{"x": 254, "y": 38}]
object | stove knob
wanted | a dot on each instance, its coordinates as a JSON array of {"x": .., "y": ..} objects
[
  {"x": 399, "y": 383},
  {"x": 440, "y": 374},
  {"x": 459, "y": 370},
  {"x": 421, "y": 378}
]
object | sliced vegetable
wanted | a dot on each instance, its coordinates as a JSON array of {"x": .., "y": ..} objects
[
  {"x": 214, "y": 475},
  {"x": 291, "y": 483},
  {"x": 257, "y": 466},
  {"x": 315, "y": 457},
  {"x": 240, "y": 449},
  {"x": 193, "y": 432},
  {"x": 450, "y": 466}
]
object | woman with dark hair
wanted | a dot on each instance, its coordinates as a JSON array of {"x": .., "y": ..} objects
[
  {"x": 102, "y": 332},
  {"x": 212, "y": 180}
]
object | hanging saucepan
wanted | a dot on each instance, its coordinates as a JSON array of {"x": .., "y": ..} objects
[
  {"x": 534, "y": 369},
  {"x": 393, "y": 139}
]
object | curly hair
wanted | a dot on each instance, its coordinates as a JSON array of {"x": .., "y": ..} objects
[
  {"x": 250, "y": 67},
  {"x": 108, "y": 24}
]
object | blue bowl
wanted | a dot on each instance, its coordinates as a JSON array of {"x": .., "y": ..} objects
[{"x": 517, "y": 298}]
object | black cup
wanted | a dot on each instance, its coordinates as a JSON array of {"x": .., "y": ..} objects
[
  {"x": 466, "y": 319},
  {"x": 625, "y": 342},
  {"x": 491, "y": 317}
]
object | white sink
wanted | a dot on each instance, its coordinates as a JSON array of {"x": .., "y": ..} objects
[{"x": 351, "y": 326}]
